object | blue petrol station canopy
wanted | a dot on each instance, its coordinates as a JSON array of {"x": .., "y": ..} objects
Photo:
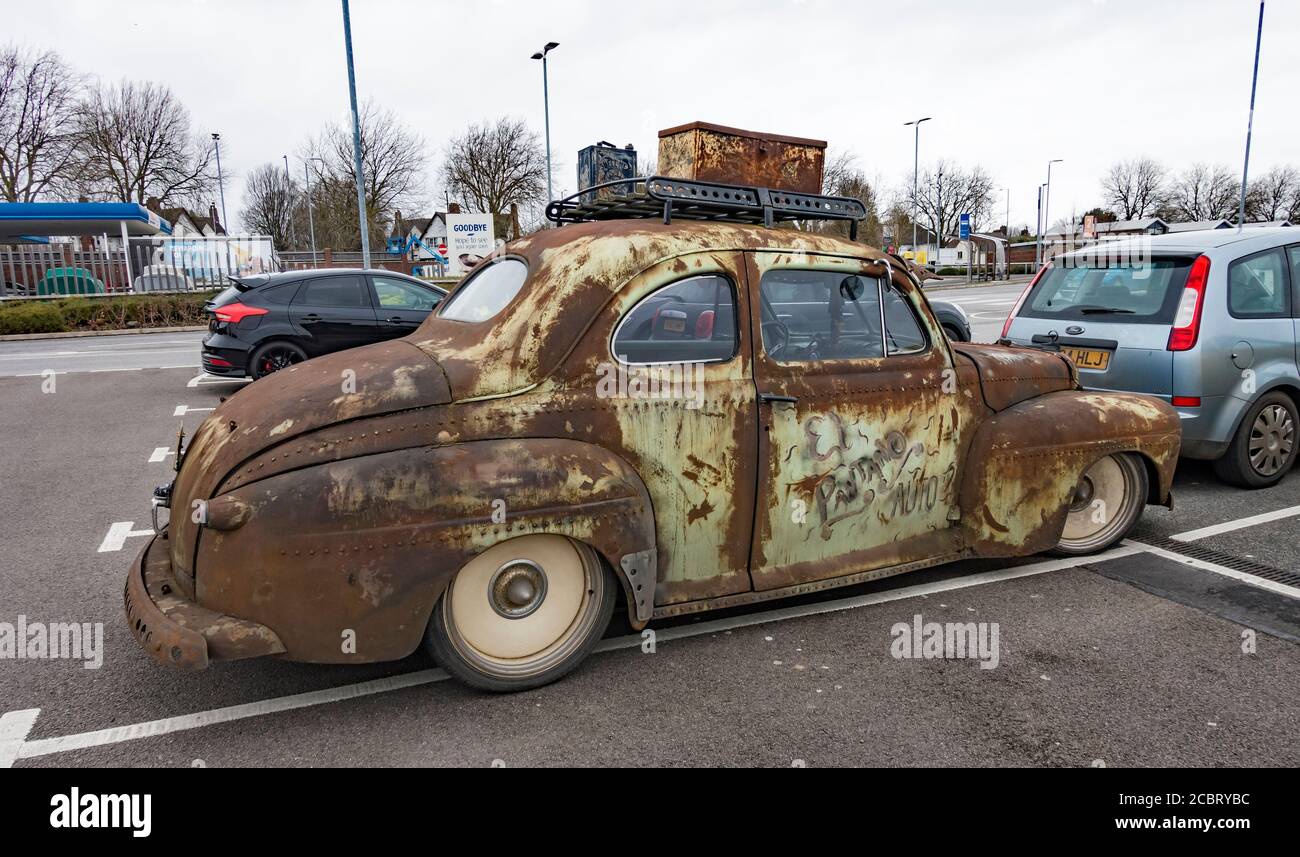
[{"x": 25, "y": 221}]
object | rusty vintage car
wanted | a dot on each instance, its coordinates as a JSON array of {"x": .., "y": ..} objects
[{"x": 672, "y": 416}]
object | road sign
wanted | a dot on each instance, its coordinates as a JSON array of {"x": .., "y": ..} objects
[{"x": 965, "y": 227}]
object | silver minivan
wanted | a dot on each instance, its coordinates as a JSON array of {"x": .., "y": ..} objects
[{"x": 1207, "y": 321}]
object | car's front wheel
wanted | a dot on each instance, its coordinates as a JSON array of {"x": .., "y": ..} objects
[
  {"x": 1107, "y": 503},
  {"x": 522, "y": 613},
  {"x": 1264, "y": 448}
]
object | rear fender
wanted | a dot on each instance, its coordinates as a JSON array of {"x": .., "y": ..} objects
[
  {"x": 1026, "y": 462},
  {"x": 367, "y": 545}
]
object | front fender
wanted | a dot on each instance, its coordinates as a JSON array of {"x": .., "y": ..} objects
[
  {"x": 363, "y": 548},
  {"x": 1026, "y": 462}
]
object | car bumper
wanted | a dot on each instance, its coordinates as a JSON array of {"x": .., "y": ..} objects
[
  {"x": 175, "y": 630},
  {"x": 224, "y": 355}
]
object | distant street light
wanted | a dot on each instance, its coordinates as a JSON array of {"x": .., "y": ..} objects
[
  {"x": 1046, "y": 212},
  {"x": 1250, "y": 122},
  {"x": 356, "y": 140},
  {"x": 916, "y": 168},
  {"x": 311, "y": 217},
  {"x": 546, "y": 106},
  {"x": 221, "y": 181}
]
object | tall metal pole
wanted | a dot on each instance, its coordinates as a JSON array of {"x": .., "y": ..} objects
[
  {"x": 311, "y": 217},
  {"x": 1038, "y": 228},
  {"x": 1047, "y": 198},
  {"x": 1250, "y": 122},
  {"x": 221, "y": 182},
  {"x": 356, "y": 141},
  {"x": 1008, "y": 235},
  {"x": 916, "y": 169},
  {"x": 546, "y": 108}
]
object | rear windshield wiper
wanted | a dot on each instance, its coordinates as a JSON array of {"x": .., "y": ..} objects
[{"x": 1104, "y": 310}]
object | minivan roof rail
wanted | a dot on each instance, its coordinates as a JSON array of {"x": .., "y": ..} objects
[{"x": 660, "y": 196}]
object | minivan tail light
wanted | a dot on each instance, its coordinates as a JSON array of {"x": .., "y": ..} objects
[
  {"x": 1186, "y": 401},
  {"x": 1187, "y": 321},
  {"x": 1006, "y": 326},
  {"x": 237, "y": 312}
]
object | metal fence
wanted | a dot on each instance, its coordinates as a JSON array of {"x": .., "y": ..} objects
[
  {"x": 306, "y": 260},
  {"x": 98, "y": 265}
]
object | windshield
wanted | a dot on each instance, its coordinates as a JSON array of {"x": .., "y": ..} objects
[
  {"x": 1145, "y": 293},
  {"x": 486, "y": 292}
]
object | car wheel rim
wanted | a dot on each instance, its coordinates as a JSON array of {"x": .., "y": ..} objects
[
  {"x": 279, "y": 358},
  {"x": 1102, "y": 505},
  {"x": 1272, "y": 439},
  {"x": 524, "y": 606}
]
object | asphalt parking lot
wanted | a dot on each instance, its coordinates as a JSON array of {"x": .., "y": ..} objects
[{"x": 1147, "y": 655}]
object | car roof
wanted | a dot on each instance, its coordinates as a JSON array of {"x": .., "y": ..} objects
[
  {"x": 1251, "y": 238},
  {"x": 257, "y": 281}
]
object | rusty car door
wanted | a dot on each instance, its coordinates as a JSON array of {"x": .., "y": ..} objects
[
  {"x": 669, "y": 361},
  {"x": 862, "y": 436}
]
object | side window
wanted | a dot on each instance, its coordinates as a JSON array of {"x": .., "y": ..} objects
[
  {"x": 399, "y": 294},
  {"x": 691, "y": 321},
  {"x": 1294, "y": 253},
  {"x": 824, "y": 315},
  {"x": 280, "y": 294},
  {"x": 335, "y": 292},
  {"x": 1258, "y": 288}
]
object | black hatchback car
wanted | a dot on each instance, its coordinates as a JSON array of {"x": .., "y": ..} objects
[{"x": 270, "y": 321}]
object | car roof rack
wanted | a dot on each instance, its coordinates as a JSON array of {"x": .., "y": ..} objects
[{"x": 659, "y": 196}]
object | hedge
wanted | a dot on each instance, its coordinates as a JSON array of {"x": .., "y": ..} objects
[{"x": 116, "y": 313}]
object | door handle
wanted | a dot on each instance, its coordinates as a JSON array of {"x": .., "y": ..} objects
[
  {"x": 773, "y": 399},
  {"x": 310, "y": 318},
  {"x": 397, "y": 319}
]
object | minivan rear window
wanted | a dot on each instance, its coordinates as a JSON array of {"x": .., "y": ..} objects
[{"x": 1104, "y": 290}]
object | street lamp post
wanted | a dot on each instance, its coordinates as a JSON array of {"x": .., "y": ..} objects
[
  {"x": 546, "y": 107},
  {"x": 311, "y": 217},
  {"x": 221, "y": 181},
  {"x": 1047, "y": 196},
  {"x": 356, "y": 140},
  {"x": 916, "y": 169},
  {"x": 1038, "y": 231},
  {"x": 1250, "y": 122}
]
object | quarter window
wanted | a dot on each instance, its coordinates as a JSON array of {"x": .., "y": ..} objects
[
  {"x": 486, "y": 292},
  {"x": 691, "y": 321},
  {"x": 824, "y": 315},
  {"x": 1258, "y": 288}
]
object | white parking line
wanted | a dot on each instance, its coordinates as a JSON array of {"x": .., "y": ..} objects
[
  {"x": 160, "y": 455},
  {"x": 1262, "y": 583},
  {"x": 118, "y": 533},
  {"x": 182, "y": 410},
  {"x": 14, "y": 727},
  {"x": 154, "y": 728},
  {"x": 1240, "y": 524}
]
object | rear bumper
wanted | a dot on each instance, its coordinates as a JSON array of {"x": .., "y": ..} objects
[
  {"x": 177, "y": 631},
  {"x": 225, "y": 355}
]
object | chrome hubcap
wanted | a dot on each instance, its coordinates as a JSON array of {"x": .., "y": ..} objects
[
  {"x": 1271, "y": 440},
  {"x": 517, "y": 589}
]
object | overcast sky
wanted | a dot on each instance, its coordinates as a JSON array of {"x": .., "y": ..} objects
[{"x": 1010, "y": 84}]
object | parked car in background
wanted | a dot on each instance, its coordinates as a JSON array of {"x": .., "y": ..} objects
[
  {"x": 69, "y": 281},
  {"x": 263, "y": 323},
  {"x": 163, "y": 278},
  {"x": 1206, "y": 321},
  {"x": 12, "y": 290},
  {"x": 953, "y": 319}
]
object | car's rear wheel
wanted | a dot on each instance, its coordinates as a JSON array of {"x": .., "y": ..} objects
[
  {"x": 1264, "y": 448},
  {"x": 274, "y": 356},
  {"x": 1107, "y": 503},
  {"x": 522, "y": 613}
]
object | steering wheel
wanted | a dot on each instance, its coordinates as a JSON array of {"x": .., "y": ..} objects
[{"x": 776, "y": 336}]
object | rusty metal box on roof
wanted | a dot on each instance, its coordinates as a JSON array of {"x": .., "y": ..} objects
[
  {"x": 602, "y": 163},
  {"x": 714, "y": 153}
]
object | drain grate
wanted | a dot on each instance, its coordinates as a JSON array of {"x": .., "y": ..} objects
[{"x": 1236, "y": 563}]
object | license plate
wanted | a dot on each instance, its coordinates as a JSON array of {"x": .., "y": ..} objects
[{"x": 1088, "y": 358}]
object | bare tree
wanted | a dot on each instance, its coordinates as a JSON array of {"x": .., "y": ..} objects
[
  {"x": 1133, "y": 188},
  {"x": 38, "y": 96},
  {"x": 947, "y": 191},
  {"x": 136, "y": 141},
  {"x": 495, "y": 165},
  {"x": 1274, "y": 195},
  {"x": 271, "y": 203},
  {"x": 1202, "y": 192},
  {"x": 394, "y": 161},
  {"x": 841, "y": 177}
]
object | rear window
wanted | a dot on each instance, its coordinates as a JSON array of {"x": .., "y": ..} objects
[
  {"x": 1143, "y": 293},
  {"x": 486, "y": 292}
]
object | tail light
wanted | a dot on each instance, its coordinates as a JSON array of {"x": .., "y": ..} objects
[
  {"x": 1187, "y": 323},
  {"x": 237, "y": 312},
  {"x": 1186, "y": 401},
  {"x": 1006, "y": 326}
]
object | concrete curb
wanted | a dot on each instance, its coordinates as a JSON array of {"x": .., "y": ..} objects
[{"x": 79, "y": 334}]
